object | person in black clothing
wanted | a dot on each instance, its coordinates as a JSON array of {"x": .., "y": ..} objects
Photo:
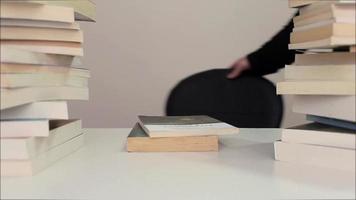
[{"x": 272, "y": 56}]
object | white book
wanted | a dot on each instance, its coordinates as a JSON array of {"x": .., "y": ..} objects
[
  {"x": 32, "y": 166},
  {"x": 184, "y": 126},
  {"x": 320, "y": 72},
  {"x": 331, "y": 58},
  {"x": 344, "y": 13},
  {"x": 41, "y": 80},
  {"x": 321, "y": 156},
  {"x": 24, "y": 128},
  {"x": 27, "y": 148},
  {"x": 329, "y": 5},
  {"x": 20, "y": 10},
  {"x": 328, "y": 43},
  {"x": 45, "y": 47},
  {"x": 333, "y": 106},
  {"x": 320, "y": 134},
  {"x": 37, "y": 110},
  {"x": 317, "y": 87},
  {"x": 38, "y": 24},
  {"x": 21, "y": 56},
  {"x": 323, "y": 23},
  {"x": 7, "y": 68},
  {"x": 45, "y": 34},
  {"x": 20, "y": 96}
]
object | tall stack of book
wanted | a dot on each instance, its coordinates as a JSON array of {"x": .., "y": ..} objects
[
  {"x": 177, "y": 134},
  {"x": 41, "y": 46},
  {"x": 322, "y": 79}
]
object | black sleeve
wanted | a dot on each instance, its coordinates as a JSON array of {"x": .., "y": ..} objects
[{"x": 274, "y": 54}]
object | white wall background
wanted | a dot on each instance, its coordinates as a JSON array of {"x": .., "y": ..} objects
[{"x": 139, "y": 49}]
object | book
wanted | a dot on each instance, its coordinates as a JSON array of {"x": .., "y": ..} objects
[
  {"x": 299, "y": 3},
  {"x": 320, "y": 134},
  {"x": 317, "y": 87},
  {"x": 319, "y": 24},
  {"x": 24, "y": 128},
  {"x": 180, "y": 126},
  {"x": 6, "y": 68},
  {"x": 18, "y": 10},
  {"x": 84, "y": 9},
  {"x": 19, "y": 96},
  {"x": 304, "y": 3},
  {"x": 328, "y": 43},
  {"x": 319, "y": 13},
  {"x": 20, "y": 56},
  {"x": 27, "y": 148},
  {"x": 320, "y": 72},
  {"x": 37, "y": 110},
  {"x": 34, "y": 165},
  {"x": 48, "y": 47},
  {"x": 332, "y": 58},
  {"x": 38, "y": 24},
  {"x": 43, "y": 34},
  {"x": 41, "y": 80},
  {"x": 337, "y": 30},
  {"x": 139, "y": 141},
  {"x": 322, "y": 156},
  {"x": 333, "y": 122},
  {"x": 325, "y": 6},
  {"x": 339, "y": 107}
]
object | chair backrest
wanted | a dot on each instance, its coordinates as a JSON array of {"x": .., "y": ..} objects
[{"x": 246, "y": 102}]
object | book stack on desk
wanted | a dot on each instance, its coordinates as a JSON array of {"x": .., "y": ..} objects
[
  {"x": 41, "y": 46},
  {"x": 177, "y": 134},
  {"x": 322, "y": 80}
]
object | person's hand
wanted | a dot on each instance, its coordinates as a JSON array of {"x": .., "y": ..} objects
[{"x": 238, "y": 67}]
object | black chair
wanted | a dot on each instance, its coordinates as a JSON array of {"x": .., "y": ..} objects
[{"x": 246, "y": 102}]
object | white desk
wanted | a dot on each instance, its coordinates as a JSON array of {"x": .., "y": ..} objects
[{"x": 243, "y": 169}]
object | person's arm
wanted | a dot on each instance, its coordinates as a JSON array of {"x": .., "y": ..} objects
[{"x": 272, "y": 56}]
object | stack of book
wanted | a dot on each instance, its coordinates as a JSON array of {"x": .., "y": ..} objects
[
  {"x": 41, "y": 46},
  {"x": 177, "y": 134},
  {"x": 322, "y": 80}
]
